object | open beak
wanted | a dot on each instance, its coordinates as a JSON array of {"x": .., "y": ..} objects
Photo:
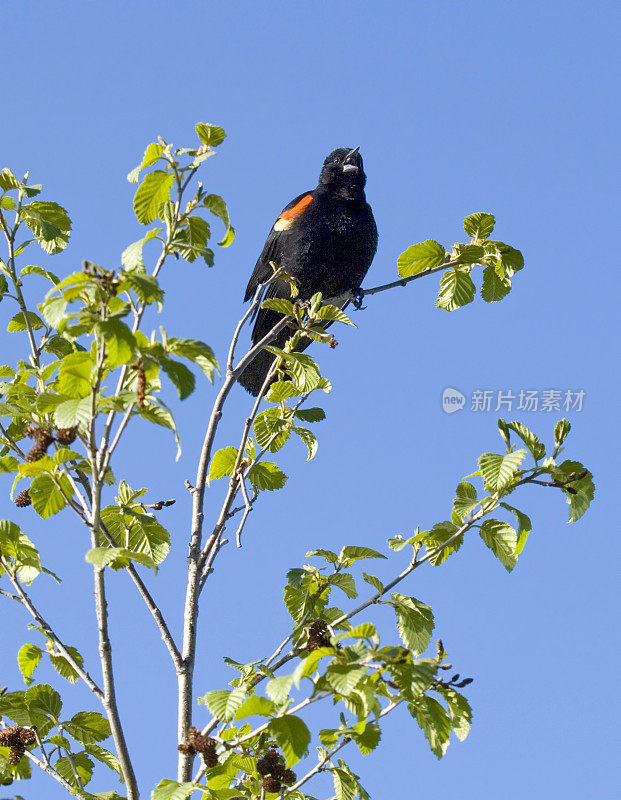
[{"x": 350, "y": 163}]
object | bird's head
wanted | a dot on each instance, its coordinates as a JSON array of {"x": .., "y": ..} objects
[{"x": 342, "y": 173}]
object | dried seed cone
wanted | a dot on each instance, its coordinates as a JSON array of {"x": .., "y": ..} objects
[
  {"x": 210, "y": 757},
  {"x": 140, "y": 387},
  {"x": 35, "y": 453},
  {"x": 16, "y": 753},
  {"x": 186, "y": 748},
  {"x": 66, "y": 436},
  {"x": 10, "y": 737},
  {"x": 23, "y": 499},
  {"x": 271, "y": 784},
  {"x": 27, "y": 736},
  {"x": 288, "y": 776}
]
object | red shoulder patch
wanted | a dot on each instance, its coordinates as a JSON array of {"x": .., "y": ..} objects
[
  {"x": 287, "y": 218},
  {"x": 297, "y": 209}
]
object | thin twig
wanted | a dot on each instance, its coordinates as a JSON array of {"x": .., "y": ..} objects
[{"x": 404, "y": 281}]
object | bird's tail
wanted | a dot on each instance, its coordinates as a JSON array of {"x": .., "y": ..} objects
[{"x": 253, "y": 376}]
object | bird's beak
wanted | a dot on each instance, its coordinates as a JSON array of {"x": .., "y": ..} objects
[{"x": 349, "y": 164}]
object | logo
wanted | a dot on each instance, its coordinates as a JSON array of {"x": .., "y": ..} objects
[{"x": 452, "y": 400}]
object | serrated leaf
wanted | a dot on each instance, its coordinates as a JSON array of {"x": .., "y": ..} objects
[
  {"x": 355, "y": 553},
  {"x": 131, "y": 257},
  {"x": 414, "y": 622},
  {"x": 281, "y": 390},
  {"x": 151, "y": 194},
  {"x": 42, "y": 699},
  {"x": 196, "y": 351},
  {"x": 120, "y": 342},
  {"x": 374, "y": 581},
  {"x": 309, "y": 439},
  {"x": 255, "y": 705},
  {"x": 561, "y": 430},
  {"x": 74, "y": 375},
  {"x": 344, "y": 678},
  {"x": 106, "y": 757},
  {"x": 47, "y": 498},
  {"x": 499, "y": 470},
  {"x": 49, "y": 223},
  {"x": 437, "y": 536},
  {"x": 292, "y": 736},
  {"x": 537, "y": 449},
  {"x": 315, "y": 414},
  {"x": 28, "y": 658},
  {"x": 280, "y": 305},
  {"x": 278, "y": 688},
  {"x": 333, "y": 313},
  {"x": 420, "y": 257},
  {"x": 211, "y": 135},
  {"x": 224, "y": 703},
  {"x": 18, "y": 322},
  {"x": 70, "y": 413},
  {"x": 222, "y": 463},
  {"x": 266, "y": 475},
  {"x": 180, "y": 376},
  {"x": 501, "y": 539},
  {"x": 435, "y": 723},
  {"x": 456, "y": 289},
  {"x": 62, "y": 665},
  {"x": 465, "y": 499},
  {"x": 584, "y": 488},
  {"x": 82, "y": 764},
  {"x": 345, "y": 582},
  {"x": 524, "y": 527},
  {"x": 88, "y": 727},
  {"x": 217, "y": 206},
  {"x": 172, "y": 790},
  {"x": 32, "y": 269},
  {"x": 479, "y": 225},
  {"x": 460, "y": 711},
  {"x": 146, "y": 286},
  {"x": 494, "y": 287}
]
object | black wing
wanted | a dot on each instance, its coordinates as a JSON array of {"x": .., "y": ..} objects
[{"x": 271, "y": 252}]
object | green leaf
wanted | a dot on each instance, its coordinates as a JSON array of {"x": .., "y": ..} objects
[
  {"x": 73, "y": 412},
  {"x": 224, "y": 703},
  {"x": 281, "y": 390},
  {"x": 460, "y": 711},
  {"x": 420, "y": 257},
  {"x": 191, "y": 240},
  {"x": 333, "y": 313},
  {"x": 278, "y": 688},
  {"x": 74, "y": 375},
  {"x": 561, "y": 429},
  {"x": 266, "y": 475},
  {"x": 211, "y": 135},
  {"x": 280, "y": 305},
  {"x": 537, "y": 449},
  {"x": 7, "y": 203},
  {"x": 105, "y": 756},
  {"x": 494, "y": 287},
  {"x": 479, "y": 225},
  {"x": 28, "y": 659},
  {"x": 501, "y": 539},
  {"x": 63, "y": 667},
  {"x": 499, "y": 470},
  {"x": 146, "y": 286},
  {"x": 116, "y": 557},
  {"x": 345, "y": 582},
  {"x": 88, "y": 727},
  {"x": 467, "y": 253},
  {"x": 222, "y": 463},
  {"x": 437, "y": 537},
  {"x": 456, "y": 289},
  {"x": 311, "y": 414},
  {"x": 172, "y": 790},
  {"x": 151, "y": 155},
  {"x": 196, "y": 351},
  {"x": 344, "y": 678},
  {"x": 42, "y": 699},
  {"x": 54, "y": 312},
  {"x": 373, "y": 581},
  {"x": 18, "y": 323},
  {"x": 181, "y": 377},
  {"x": 8, "y": 180},
  {"x": 301, "y": 366},
  {"x": 435, "y": 723},
  {"x": 49, "y": 223},
  {"x": 309, "y": 439},
  {"x": 292, "y": 736},
  {"x": 353, "y": 553},
  {"x": 414, "y": 622},
  {"x": 32, "y": 269},
  {"x": 584, "y": 488},
  {"x": 151, "y": 194},
  {"x": 525, "y": 526},
  {"x": 465, "y": 500},
  {"x": 132, "y": 257},
  {"x": 83, "y": 766},
  {"x": 271, "y": 430},
  {"x": 255, "y": 705},
  {"x": 120, "y": 342},
  {"x": 47, "y": 498},
  {"x": 505, "y": 259},
  {"x": 370, "y": 737},
  {"x": 159, "y": 413},
  {"x": 217, "y": 206},
  {"x": 345, "y": 785}
]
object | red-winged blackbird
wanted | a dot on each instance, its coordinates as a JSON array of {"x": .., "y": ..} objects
[{"x": 325, "y": 239}]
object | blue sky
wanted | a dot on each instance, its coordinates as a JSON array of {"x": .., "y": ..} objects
[{"x": 503, "y": 107}]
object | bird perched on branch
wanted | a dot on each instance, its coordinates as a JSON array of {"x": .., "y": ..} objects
[{"x": 325, "y": 239}]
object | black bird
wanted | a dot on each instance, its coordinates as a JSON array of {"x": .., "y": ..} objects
[{"x": 325, "y": 239}]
